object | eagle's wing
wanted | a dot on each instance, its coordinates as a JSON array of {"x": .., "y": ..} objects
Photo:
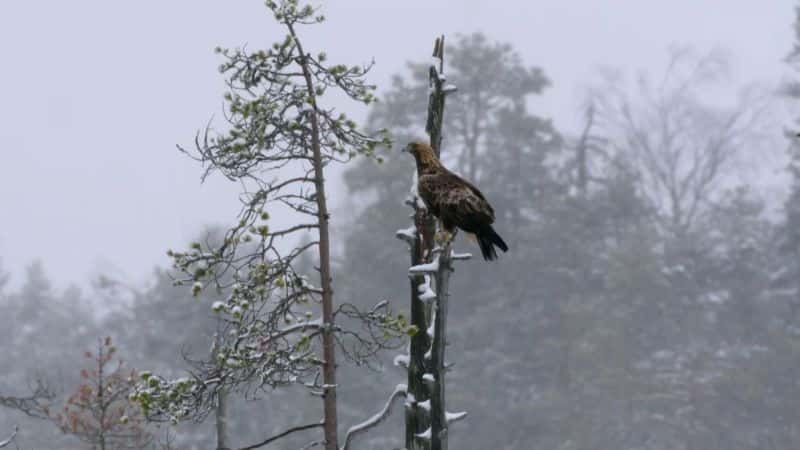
[{"x": 455, "y": 201}]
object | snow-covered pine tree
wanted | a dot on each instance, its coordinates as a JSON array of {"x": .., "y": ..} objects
[{"x": 281, "y": 327}]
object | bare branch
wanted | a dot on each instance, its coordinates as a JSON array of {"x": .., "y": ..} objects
[
  {"x": 679, "y": 146},
  {"x": 284, "y": 434},
  {"x": 10, "y": 438},
  {"x": 377, "y": 419},
  {"x": 34, "y": 405}
]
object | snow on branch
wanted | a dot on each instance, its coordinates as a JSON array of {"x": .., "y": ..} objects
[
  {"x": 411, "y": 400},
  {"x": 449, "y": 87},
  {"x": 407, "y": 234},
  {"x": 455, "y": 417},
  {"x": 431, "y": 267},
  {"x": 381, "y": 329},
  {"x": 401, "y": 361},
  {"x": 10, "y": 439},
  {"x": 302, "y": 326},
  {"x": 412, "y": 199},
  {"x": 426, "y": 294},
  {"x": 399, "y": 391},
  {"x": 460, "y": 256}
]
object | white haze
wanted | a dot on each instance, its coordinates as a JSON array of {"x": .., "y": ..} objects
[{"x": 94, "y": 95}]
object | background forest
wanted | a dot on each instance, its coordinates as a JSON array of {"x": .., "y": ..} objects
[{"x": 650, "y": 300}]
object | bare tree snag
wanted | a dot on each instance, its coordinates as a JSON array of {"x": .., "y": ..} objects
[{"x": 426, "y": 417}]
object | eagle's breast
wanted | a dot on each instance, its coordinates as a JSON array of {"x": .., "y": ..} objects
[{"x": 427, "y": 189}]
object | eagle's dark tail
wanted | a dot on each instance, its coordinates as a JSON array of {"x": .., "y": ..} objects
[{"x": 487, "y": 240}]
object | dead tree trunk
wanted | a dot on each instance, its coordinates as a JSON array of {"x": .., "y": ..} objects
[
  {"x": 417, "y": 420},
  {"x": 438, "y": 411},
  {"x": 426, "y": 417}
]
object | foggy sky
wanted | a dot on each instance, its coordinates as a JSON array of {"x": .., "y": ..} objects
[{"x": 94, "y": 95}]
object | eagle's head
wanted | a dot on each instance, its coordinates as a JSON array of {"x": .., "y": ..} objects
[{"x": 424, "y": 155}]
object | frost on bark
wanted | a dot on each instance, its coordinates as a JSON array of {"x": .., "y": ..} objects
[{"x": 431, "y": 261}]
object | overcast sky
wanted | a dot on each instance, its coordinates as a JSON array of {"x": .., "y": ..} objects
[{"x": 94, "y": 95}]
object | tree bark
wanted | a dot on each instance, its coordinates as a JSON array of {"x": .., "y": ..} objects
[
  {"x": 100, "y": 389},
  {"x": 417, "y": 419},
  {"x": 426, "y": 356},
  {"x": 221, "y": 409},
  {"x": 438, "y": 410},
  {"x": 323, "y": 217},
  {"x": 221, "y": 414}
]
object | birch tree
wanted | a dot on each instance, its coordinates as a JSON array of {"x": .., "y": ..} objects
[{"x": 683, "y": 147}]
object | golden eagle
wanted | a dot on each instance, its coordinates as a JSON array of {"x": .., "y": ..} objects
[{"x": 454, "y": 201}]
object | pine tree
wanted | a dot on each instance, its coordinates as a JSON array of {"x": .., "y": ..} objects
[{"x": 282, "y": 327}]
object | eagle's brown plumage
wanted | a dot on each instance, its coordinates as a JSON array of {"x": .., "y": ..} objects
[{"x": 454, "y": 201}]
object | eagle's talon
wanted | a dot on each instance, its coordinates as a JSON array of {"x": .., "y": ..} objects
[{"x": 443, "y": 237}]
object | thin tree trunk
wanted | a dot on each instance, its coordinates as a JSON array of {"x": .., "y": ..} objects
[
  {"x": 437, "y": 393},
  {"x": 221, "y": 410},
  {"x": 328, "y": 340},
  {"x": 581, "y": 150},
  {"x": 100, "y": 401},
  {"x": 427, "y": 429},
  {"x": 221, "y": 414},
  {"x": 433, "y": 125},
  {"x": 417, "y": 419},
  {"x": 438, "y": 410}
]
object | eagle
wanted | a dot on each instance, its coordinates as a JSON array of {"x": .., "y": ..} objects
[{"x": 454, "y": 201}]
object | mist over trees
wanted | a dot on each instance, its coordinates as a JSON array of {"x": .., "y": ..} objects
[{"x": 650, "y": 299}]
